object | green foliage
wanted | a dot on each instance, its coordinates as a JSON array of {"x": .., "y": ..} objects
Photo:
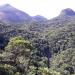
[
  {"x": 17, "y": 52},
  {"x": 7, "y": 69},
  {"x": 53, "y": 40},
  {"x": 64, "y": 62},
  {"x": 18, "y": 41},
  {"x": 18, "y": 46}
]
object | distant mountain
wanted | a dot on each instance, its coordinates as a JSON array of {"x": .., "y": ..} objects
[
  {"x": 39, "y": 18},
  {"x": 67, "y": 12},
  {"x": 10, "y": 14},
  {"x": 66, "y": 15}
]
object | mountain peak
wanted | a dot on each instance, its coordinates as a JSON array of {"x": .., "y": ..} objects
[
  {"x": 10, "y": 14},
  {"x": 7, "y": 5},
  {"x": 67, "y": 12}
]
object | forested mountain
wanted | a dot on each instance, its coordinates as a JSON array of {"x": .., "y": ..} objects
[{"x": 35, "y": 45}]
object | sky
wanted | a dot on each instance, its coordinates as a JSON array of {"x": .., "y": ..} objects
[{"x": 46, "y": 8}]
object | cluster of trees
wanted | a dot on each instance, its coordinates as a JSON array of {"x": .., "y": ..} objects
[
  {"x": 17, "y": 55},
  {"x": 38, "y": 49},
  {"x": 20, "y": 57}
]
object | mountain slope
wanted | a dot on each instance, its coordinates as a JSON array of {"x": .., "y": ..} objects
[
  {"x": 65, "y": 16},
  {"x": 10, "y": 14},
  {"x": 62, "y": 43},
  {"x": 53, "y": 42}
]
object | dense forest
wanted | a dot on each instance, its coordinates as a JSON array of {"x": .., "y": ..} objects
[{"x": 35, "y": 45}]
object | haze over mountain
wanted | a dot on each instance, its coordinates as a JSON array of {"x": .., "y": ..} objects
[{"x": 10, "y": 14}]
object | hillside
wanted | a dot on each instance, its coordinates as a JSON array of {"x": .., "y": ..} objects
[{"x": 39, "y": 47}]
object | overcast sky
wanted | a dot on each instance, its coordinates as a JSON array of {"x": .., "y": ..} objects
[{"x": 46, "y": 8}]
